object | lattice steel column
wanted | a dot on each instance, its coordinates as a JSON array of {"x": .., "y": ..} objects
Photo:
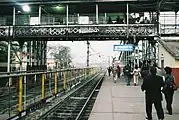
[
  {"x": 39, "y": 54},
  {"x": 45, "y": 54},
  {"x": 42, "y": 53},
  {"x": 149, "y": 50},
  {"x": 34, "y": 53},
  {"x": 88, "y": 53},
  {"x": 175, "y": 21},
  {"x": 154, "y": 51},
  {"x": 28, "y": 53},
  {"x": 21, "y": 43}
]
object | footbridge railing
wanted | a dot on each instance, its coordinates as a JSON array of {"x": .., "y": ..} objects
[{"x": 101, "y": 30}]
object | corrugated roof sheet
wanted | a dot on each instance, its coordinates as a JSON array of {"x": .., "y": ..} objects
[{"x": 172, "y": 46}]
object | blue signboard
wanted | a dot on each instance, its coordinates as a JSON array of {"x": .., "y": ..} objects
[{"x": 128, "y": 47}]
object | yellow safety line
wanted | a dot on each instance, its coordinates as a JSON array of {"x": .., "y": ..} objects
[
  {"x": 20, "y": 94},
  {"x": 43, "y": 86},
  {"x": 55, "y": 88}
]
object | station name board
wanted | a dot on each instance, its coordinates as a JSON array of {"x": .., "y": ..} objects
[{"x": 128, "y": 47}]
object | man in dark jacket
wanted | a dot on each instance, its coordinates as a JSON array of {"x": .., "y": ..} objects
[
  {"x": 127, "y": 72},
  {"x": 152, "y": 85}
]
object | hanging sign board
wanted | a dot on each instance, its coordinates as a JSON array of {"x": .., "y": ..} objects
[{"x": 128, "y": 47}]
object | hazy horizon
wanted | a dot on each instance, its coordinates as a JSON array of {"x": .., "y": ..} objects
[{"x": 100, "y": 51}]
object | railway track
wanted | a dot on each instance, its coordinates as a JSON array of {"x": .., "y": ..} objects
[
  {"x": 78, "y": 105},
  {"x": 86, "y": 113},
  {"x": 33, "y": 96}
]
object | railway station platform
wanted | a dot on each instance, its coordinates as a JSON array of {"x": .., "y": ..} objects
[{"x": 116, "y": 101}]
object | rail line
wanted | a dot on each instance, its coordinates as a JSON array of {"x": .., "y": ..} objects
[{"x": 76, "y": 105}]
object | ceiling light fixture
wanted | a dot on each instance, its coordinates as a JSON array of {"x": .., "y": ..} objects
[{"x": 26, "y": 8}]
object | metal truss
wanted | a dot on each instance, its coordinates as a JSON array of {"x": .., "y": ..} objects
[
  {"x": 4, "y": 31},
  {"x": 77, "y": 30},
  {"x": 139, "y": 30}
]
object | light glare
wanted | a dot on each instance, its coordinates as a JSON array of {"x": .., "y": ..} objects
[{"x": 26, "y": 8}]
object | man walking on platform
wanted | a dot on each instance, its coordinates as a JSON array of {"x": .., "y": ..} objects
[
  {"x": 128, "y": 73},
  {"x": 152, "y": 85},
  {"x": 109, "y": 71}
]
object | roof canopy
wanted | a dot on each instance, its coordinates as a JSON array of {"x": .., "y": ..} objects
[
  {"x": 88, "y": 6},
  {"x": 68, "y": 1}
]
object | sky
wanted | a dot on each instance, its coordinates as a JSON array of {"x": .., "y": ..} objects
[{"x": 104, "y": 49}]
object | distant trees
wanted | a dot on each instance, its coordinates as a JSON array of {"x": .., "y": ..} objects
[{"x": 60, "y": 53}]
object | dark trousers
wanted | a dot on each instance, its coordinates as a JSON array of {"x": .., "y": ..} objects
[
  {"x": 109, "y": 72},
  {"x": 128, "y": 80},
  {"x": 158, "y": 107},
  {"x": 169, "y": 99},
  {"x": 118, "y": 74}
]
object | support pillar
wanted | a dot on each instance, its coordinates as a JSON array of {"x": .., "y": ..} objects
[
  {"x": 143, "y": 49},
  {"x": 40, "y": 10},
  {"x": 9, "y": 57},
  {"x": 105, "y": 17},
  {"x": 38, "y": 53},
  {"x": 45, "y": 52},
  {"x": 67, "y": 15},
  {"x": 29, "y": 53},
  {"x": 34, "y": 53},
  {"x": 162, "y": 64},
  {"x": 21, "y": 43},
  {"x": 78, "y": 15},
  {"x": 9, "y": 60},
  {"x": 158, "y": 24},
  {"x": 88, "y": 53},
  {"x": 14, "y": 16},
  {"x": 146, "y": 54},
  {"x": 175, "y": 21},
  {"x": 157, "y": 53},
  {"x": 8, "y": 70},
  {"x": 97, "y": 14},
  {"x": 127, "y": 20}
]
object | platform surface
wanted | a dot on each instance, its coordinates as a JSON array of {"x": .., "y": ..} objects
[{"x": 116, "y": 101}]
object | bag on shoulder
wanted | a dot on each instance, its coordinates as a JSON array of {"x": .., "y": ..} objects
[{"x": 172, "y": 82}]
